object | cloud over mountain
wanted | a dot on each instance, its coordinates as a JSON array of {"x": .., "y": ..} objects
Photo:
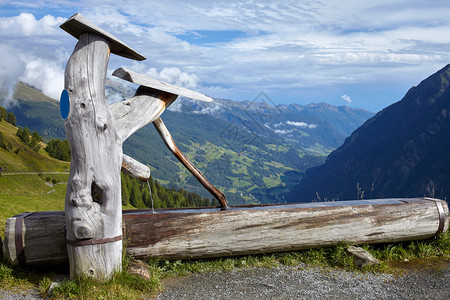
[{"x": 294, "y": 51}]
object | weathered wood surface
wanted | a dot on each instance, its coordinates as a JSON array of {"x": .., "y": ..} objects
[
  {"x": 281, "y": 228},
  {"x": 36, "y": 239},
  {"x": 137, "y": 78},
  {"x": 93, "y": 198},
  {"x": 78, "y": 24},
  {"x": 132, "y": 114},
  {"x": 202, "y": 233},
  {"x": 95, "y": 133},
  {"x": 135, "y": 169},
  {"x": 170, "y": 143}
]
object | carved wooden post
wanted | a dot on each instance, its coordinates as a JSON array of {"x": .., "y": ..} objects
[{"x": 93, "y": 206}]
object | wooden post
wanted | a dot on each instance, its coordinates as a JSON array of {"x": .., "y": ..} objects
[
  {"x": 93, "y": 205},
  {"x": 95, "y": 131}
]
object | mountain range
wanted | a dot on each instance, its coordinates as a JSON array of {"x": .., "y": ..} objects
[
  {"x": 402, "y": 151},
  {"x": 252, "y": 150}
]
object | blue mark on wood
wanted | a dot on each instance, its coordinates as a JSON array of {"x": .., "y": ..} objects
[{"x": 64, "y": 104}]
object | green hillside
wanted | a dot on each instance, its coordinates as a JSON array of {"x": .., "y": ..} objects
[
  {"x": 40, "y": 112},
  {"x": 30, "y": 180},
  {"x": 247, "y": 166},
  {"x": 252, "y": 151},
  {"x": 241, "y": 164},
  {"x": 33, "y": 181},
  {"x": 21, "y": 158}
]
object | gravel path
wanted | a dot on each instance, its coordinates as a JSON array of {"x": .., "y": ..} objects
[
  {"x": 19, "y": 295},
  {"x": 426, "y": 281},
  {"x": 311, "y": 283}
]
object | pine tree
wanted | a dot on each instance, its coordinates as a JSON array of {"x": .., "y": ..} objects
[
  {"x": 135, "y": 195},
  {"x": 35, "y": 141},
  {"x": 3, "y": 113},
  {"x": 24, "y": 135},
  {"x": 125, "y": 194},
  {"x": 58, "y": 149},
  {"x": 2, "y": 141},
  {"x": 11, "y": 119}
]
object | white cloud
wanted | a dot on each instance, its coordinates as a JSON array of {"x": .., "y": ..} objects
[
  {"x": 176, "y": 76},
  {"x": 283, "y": 131},
  {"x": 26, "y": 24},
  {"x": 301, "y": 124},
  {"x": 346, "y": 98},
  {"x": 176, "y": 106},
  {"x": 46, "y": 75},
  {"x": 11, "y": 68},
  {"x": 211, "y": 108},
  {"x": 171, "y": 75},
  {"x": 280, "y": 47},
  {"x": 31, "y": 53}
]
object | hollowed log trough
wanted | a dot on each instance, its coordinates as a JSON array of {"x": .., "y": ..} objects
[{"x": 38, "y": 238}]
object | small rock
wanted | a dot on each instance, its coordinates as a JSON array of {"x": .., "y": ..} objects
[
  {"x": 57, "y": 280},
  {"x": 361, "y": 257},
  {"x": 139, "y": 268}
]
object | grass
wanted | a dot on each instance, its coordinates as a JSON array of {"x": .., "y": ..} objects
[
  {"x": 19, "y": 193},
  {"x": 30, "y": 192},
  {"x": 121, "y": 286},
  {"x": 33, "y": 192},
  {"x": 26, "y": 159},
  {"x": 126, "y": 286}
]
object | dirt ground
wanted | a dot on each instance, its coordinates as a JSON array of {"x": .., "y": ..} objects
[{"x": 415, "y": 280}]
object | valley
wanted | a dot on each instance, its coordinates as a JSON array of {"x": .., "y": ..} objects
[{"x": 252, "y": 150}]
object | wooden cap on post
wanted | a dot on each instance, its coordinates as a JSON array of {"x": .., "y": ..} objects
[
  {"x": 78, "y": 24},
  {"x": 137, "y": 78}
]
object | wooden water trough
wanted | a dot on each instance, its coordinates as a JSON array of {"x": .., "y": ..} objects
[{"x": 38, "y": 238}]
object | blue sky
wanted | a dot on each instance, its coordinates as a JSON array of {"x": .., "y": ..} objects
[{"x": 364, "y": 54}]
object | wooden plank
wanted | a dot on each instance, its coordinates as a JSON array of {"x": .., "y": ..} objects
[
  {"x": 137, "y": 78},
  {"x": 78, "y": 24},
  {"x": 209, "y": 232}
]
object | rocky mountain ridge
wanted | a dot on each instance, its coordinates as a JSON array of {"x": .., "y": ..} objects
[{"x": 400, "y": 152}]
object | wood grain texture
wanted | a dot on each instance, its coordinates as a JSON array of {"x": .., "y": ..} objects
[
  {"x": 253, "y": 231},
  {"x": 202, "y": 233},
  {"x": 137, "y": 78},
  {"x": 170, "y": 143},
  {"x": 133, "y": 114},
  {"x": 135, "y": 169},
  {"x": 93, "y": 206},
  {"x": 43, "y": 239},
  {"x": 78, "y": 24}
]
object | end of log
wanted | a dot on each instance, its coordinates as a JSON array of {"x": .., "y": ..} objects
[{"x": 135, "y": 169}]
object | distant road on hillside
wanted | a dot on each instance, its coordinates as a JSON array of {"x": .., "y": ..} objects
[{"x": 30, "y": 173}]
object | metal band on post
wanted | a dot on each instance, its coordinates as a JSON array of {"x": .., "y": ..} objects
[
  {"x": 441, "y": 217},
  {"x": 441, "y": 212},
  {"x": 20, "y": 251}
]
